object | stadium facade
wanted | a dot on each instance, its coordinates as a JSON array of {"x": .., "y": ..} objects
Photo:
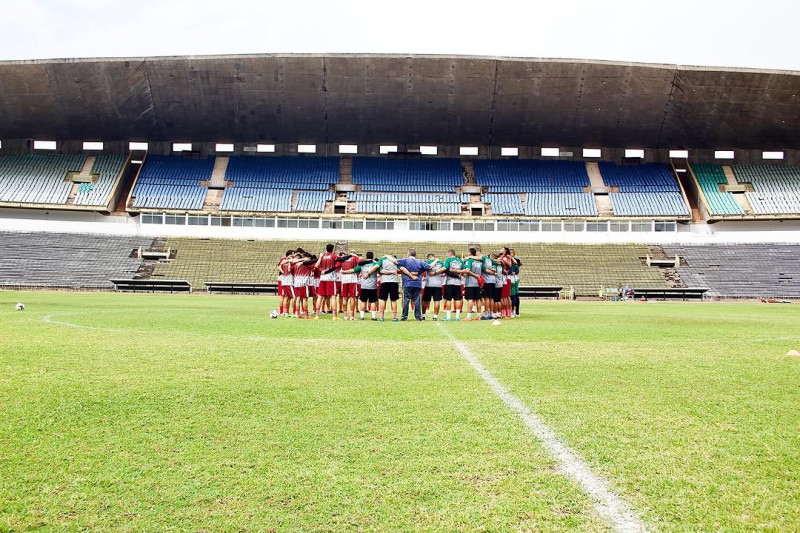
[{"x": 388, "y": 148}]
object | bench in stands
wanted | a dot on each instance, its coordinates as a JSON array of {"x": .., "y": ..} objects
[
  {"x": 672, "y": 293},
  {"x": 241, "y": 287},
  {"x": 539, "y": 291},
  {"x": 151, "y": 285}
]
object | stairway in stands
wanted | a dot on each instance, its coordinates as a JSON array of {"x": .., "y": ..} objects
[
  {"x": 216, "y": 186},
  {"x": 603, "y": 202}
]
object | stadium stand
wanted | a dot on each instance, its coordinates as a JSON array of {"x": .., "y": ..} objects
[
  {"x": 401, "y": 203},
  {"x": 252, "y": 199},
  {"x": 647, "y": 189},
  {"x": 504, "y": 204},
  {"x": 587, "y": 267},
  {"x": 265, "y": 184},
  {"x": 74, "y": 261},
  {"x": 171, "y": 182},
  {"x": 552, "y": 188},
  {"x": 38, "y": 179},
  {"x": 710, "y": 177},
  {"x": 313, "y": 201},
  {"x": 741, "y": 270},
  {"x": 515, "y": 175},
  {"x": 108, "y": 168},
  {"x": 776, "y": 189},
  {"x": 407, "y": 175},
  {"x": 569, "y": 204},
  {"x": 309, "y": 173}
]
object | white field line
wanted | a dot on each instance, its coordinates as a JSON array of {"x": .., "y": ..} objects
[
  {"x": 610, "y": 506},
  {"x": 53, "y": 319}
]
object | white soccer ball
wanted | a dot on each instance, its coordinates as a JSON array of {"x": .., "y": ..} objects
[
  {"x": 273, "y": 314},
  {"x": 20, "y": 307}
]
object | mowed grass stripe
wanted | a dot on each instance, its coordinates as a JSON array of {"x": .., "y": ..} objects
[
  {"x": 131, "y": 431},
  {"x": 608, "y": 504},
  {"x": 694, "y": 425}
]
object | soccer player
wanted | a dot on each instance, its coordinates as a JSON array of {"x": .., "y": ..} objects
[
  {"x": 489, "y": 277},
  {"x": 350, "y": 284},
  {"x": 506, "y": 261},
  {"x": 367, "y": 271},
  {"x": 390, "y": 284},
  {"x": 453, "y": 270},
  {"x": 472, "y": 289},
  {"x": 285, "y": 282},
  {"x": 499, "y": 281},
  {"x": 433, "y": 286},
  {"x": 327, "y": 281},
  {"x": 303, "y": 279}
]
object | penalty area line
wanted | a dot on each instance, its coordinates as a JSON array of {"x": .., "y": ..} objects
[{"x": 609, "y": 505}]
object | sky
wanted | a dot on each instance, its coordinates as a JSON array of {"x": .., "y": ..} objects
[{"x": 699, "y": 32}]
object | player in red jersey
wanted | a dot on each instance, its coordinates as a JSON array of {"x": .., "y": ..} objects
[
  {"x": 327, "y": 281},
  {"x": 285, "y": 283},
  {"x": 303, "y": 278},
  {"x": 350, "y": 283}
]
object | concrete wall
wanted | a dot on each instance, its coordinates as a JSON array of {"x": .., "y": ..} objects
[
  {"x": 720, "y": 233},
  {"x": 449, "y": 101}
]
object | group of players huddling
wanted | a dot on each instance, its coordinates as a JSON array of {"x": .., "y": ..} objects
[{"x": 343, "y": 283}]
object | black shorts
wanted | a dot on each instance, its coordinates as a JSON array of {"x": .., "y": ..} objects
[
  {"x": 472, "y": 293},
  {"x": 452, "y": 292},
  {"x": 368, "y": 296},
  {"x": 432, "y": 293},
  {"x": 497, "y": 295},
  {"x": 390, "y": 290}
]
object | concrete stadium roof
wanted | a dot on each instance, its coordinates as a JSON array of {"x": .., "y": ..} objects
[{"x": 361, "y": 99}]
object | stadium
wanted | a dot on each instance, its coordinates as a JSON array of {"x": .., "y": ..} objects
[{"x": 146, "y": 202}]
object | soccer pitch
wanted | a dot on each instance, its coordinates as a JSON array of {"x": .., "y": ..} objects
[{"x": 158, "y": 412}]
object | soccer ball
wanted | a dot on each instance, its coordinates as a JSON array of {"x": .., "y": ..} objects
[
  {"x": 273, "y": 314},
  {"x": 20, "y": 307}
]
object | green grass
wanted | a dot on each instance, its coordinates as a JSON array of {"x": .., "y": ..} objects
[{"x": 159, "y": 413}]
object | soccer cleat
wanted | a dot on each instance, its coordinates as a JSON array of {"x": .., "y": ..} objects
[
  {"x": 380, "y": 319},
  {"x": 335, "y": 318},
  {"x": 435, "y": 319},
  {"x": 362, "y": 318},
  {"x": 467, "y": 319},
  {"x": 316, "y": 317},
  {"x": 458, "y": 319},
  {"x": 447, "y": 320},
  {"x": 373, "y": 319},
  {"x": 394, "y": 319}
]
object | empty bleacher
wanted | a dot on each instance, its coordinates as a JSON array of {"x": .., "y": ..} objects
[
  {"x": 312, "y": 201},
  {"x": 64, "y": 260},
  {"x": 552, "y": 188},
  {"x": 710, "y": 177},
  {"x": 265, "y": 184},
  {"x": 256, "y": 200},
  {"x": 776, "y": 189},
  {"x": 408, "y": 186},
  {"x": 563, "y": 204},
  {"x": 741, "y": 270},
  {"x": 407, "y": 175},
  {"x": 108, "y": 168},
  {"x": 407, "y": 203},
  {"x": 647, "y": 189},
  {"x": 504, "y": 204},
  {"x": 172, "y": 182},
  {"x": 587, "y": 267},
  {"x": 37, "y": 178}
]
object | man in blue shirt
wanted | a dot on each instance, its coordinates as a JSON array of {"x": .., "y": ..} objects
[{"x": 412, "y": 286}]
